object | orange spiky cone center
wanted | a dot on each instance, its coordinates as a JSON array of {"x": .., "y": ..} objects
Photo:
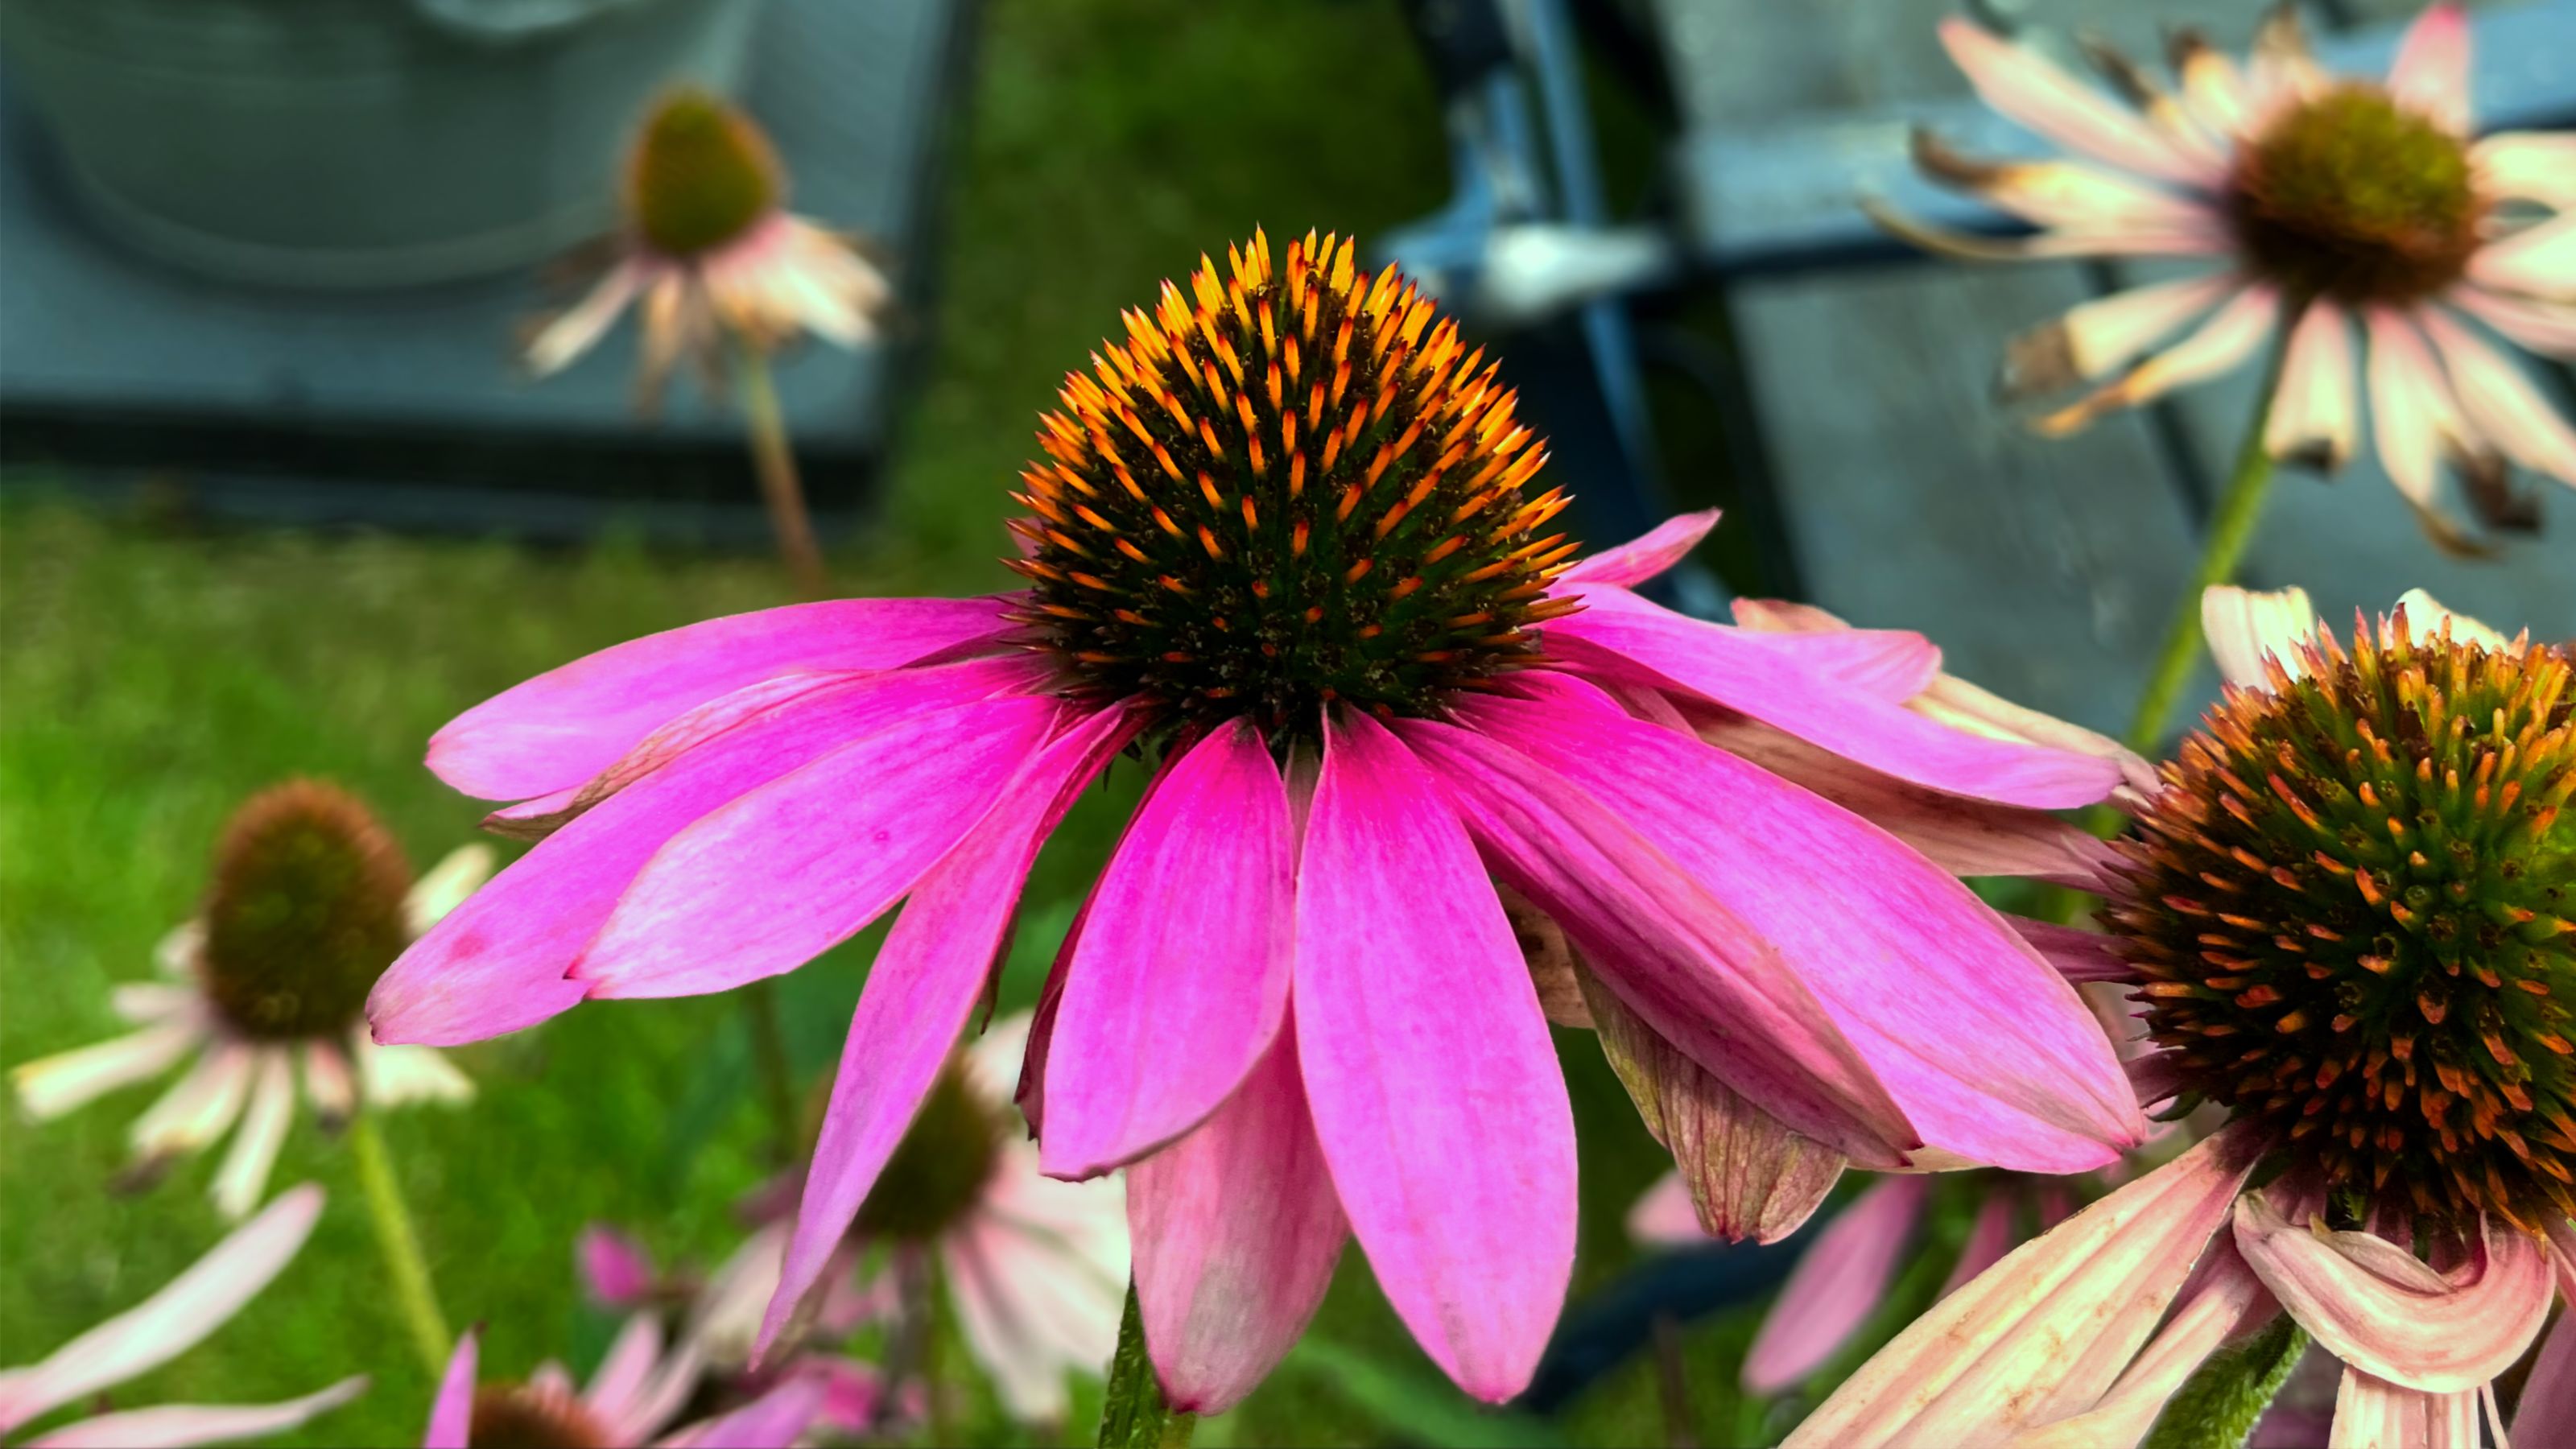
[
  {"x": 1292, "y": 486},
  {"x": 305, "y": 912}
]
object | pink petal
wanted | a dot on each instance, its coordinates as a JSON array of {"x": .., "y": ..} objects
[
  {"x": 2414, "y": 421},
  {"x": 1665, "y": 1217},
  {"x": 1236, "y": 1230},
  {"x": 2094, "y": 337},
  {"x": 1418, "y": 1035},
  {"x": 564, "y": 726},
  {"x": 2077, "y": 954},
  {"x": 2029, "y": 89},
  {"x": 2528, "y": 165},
  {"x": 2539, "y": 260},
  {"x": 623, "y": 1382},
  {"x": 2372, "y": 1413},
  {"x": 926, "y": 979},
  {"x": 1890, "y": 664},
  {"x": 497, "y": 962},
  {"x": 2547, "y": 328},
  {"x": 1668, "y": 651},
  {"x": 2377, "y": 1307},
  {"x": 1687, "y": 966},
  {"x": 2431, "y": 72},
  {"x": 2316, "y": 407},
  {"x": 2217, "y": 347},
  {"x": 1990, "y": 1236},
  {"x": 451, "y": 1414},
  {"x": 170, "y": 1425},
  {"x": 1839, "y": 1282},
  {"x": 2223, "y": 1300},
  {"x": 780, "y": 1416},
  {"x": 2246, "y": 627},
  {"x": 2044, "y": 1332},
  {"x": 1640, "y": 559},
  {"x": 1180, "y": 979},
  {"x": 2546, "y": 1417},
  {"x": 172, "y": 1321},
  {"x": 790, "y": 870},
  {"x": 616, "y": 1269},
  {"x": 2501, "y": 401},
  {"x": 1990, "y": 1054}
]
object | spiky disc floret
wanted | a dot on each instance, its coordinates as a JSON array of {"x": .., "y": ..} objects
[
  {"x": 305, "y": 912},
  {"x": 1290, "y": 487},
  {"x": 2352, "y": 905},
  {"x": 2352, "y": 197}
]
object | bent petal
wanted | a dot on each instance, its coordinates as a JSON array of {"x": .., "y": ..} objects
[
  {"x": 1642, "y": 558},
  {"x": 2029, "y": 89},
  {"x": 2225, "y": 1299},
  {"x": 2372, "y": 1413},
  {"x": 2431, "y": 72},
  {"x": 780, "y": 1416},
  {"x": 2532, "y": 165},
  {"x": 172, "y": 1321},
  {"x": 790, "y": 870},
  {"x": 451, "y": 1413},
  {"x": 2316, "y": 408},
  {"x": 925, "y": 980},
  {"x": 1180, "y": 979},
  {"x": 2094, "y": 337},
  {"x": 1839, "y": 1282},
  {"x": 2246, "y": 627},
  {"x": 1418, "y": 1032},
  {"x": 2537, "y": 261},
  {"x": 2218, "y": 346},
  {"x": 2043, "y": 1333},
  {"x": 564, "y": 726},
  {"x": 1236, "y": 1230},
  {"x": 2379, "y": 1308},
  {"x": 171, "y": 1425}
]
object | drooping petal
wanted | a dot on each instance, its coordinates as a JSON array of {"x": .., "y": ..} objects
[
  {"x": 781, "y": 875},
  {"x": 2044, "y": 1332},
  {"x": 1180, "y": 980},
  {"x": 2094, "y": 337},
  {"x": 172, "y": 1321},
  {"x": 2214, "y": 90},
  {"x": 2219, "y": 346},
  {"x": 926, "y": 979},
  {"x": 496, "y": 963},
  {"x": 2246, "y": 627},
  {"x": 271, "y": 1110},
  {"x": 1418, "y": 1032},
  {"x": 1838, "y": 1284},
  {"x": 1236, "y": 1230},
  {"x": 1642, "y": 558},
  {"x": 2206, "y": 237},
  {"x": 1689, "y": 967},
  {"x": 168, "y": 1426},
  {"x": 2029, "y": 89},
  {"x": 394, "y": 1075},
  {"x": 2427, "y": 618},
  {"x": 564, "y": 726},
  {"x": 1748, "y": 674},
  {"x": 50, "y": 1086},
  {"x": 2527, "y": 165},
  {"x": 2379, "y": 1308},
  {"x": 2372, "y": 1413},
  {"x": 1041, "y": 1278},
  {"x": 1990, "y": 1054},
  {"x": 2415, "y": 423},
  {"x": 2316, "y": 407},
  {"x": 2500, "y": 400},
  {"x": 2224, "y": 1299},
  {"x": 329, "y": 1082},
  {"x": 2072, "y": 196},
  {"x": 2431, "y": 71}
]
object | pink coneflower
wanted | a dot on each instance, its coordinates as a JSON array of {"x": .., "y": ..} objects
[
  {"x": 1282, "y": 539},
  {"x": 311, "y": 900},
  {"x": 2346, "y": 924},
  {"x": 2334, "y": 204},
  {"x": 162, "y": 1327},
  {"x": 638, "y": 1389}
]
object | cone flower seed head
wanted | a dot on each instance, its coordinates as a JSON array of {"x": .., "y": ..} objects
[
  {"x": 2348, "y": 196},
  {"x": 939, "y": 1169},
  {"x": 2355, "y": 907},
  {"x": 702, "y": 173},
  {"x": 1290, "y": 487},
  {"x": 305, "y": 912}
]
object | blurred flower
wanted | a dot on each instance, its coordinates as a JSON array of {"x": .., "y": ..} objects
[
  {"x": 162, "y": 1327},
  {"x": 310, "y": 901},
  {"x": 1281, "y": 539},
  {"x": 639, "y": 1388},
  {"x": 2333, "y": 203},
  {"x": 2346, "y": 923},
  {"x": 711, "y": 255}
]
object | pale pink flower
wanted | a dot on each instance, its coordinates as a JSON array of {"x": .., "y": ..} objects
[
  {"x": 1281, "y": 540},
  {"x": 2335, "y": 207},
  {"x": 2305, "y": 922},
  {"x": 711, "y": 257},
  {"x": 640, "y": 1386},
  {"x": 268, "y": 996},
  {"x": 162, "y": 1327}
]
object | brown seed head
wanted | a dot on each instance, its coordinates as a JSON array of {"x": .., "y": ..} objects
[
  {"x": 2354, "y": 198},
  {"x": 700, "y": 175},
  {"x": 305, "y": 912}
]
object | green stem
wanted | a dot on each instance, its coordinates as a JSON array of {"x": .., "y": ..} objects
[
  {"x": 1135, "y": 1414},
  {"x": 414, "y": 1296},
  {"x": 775, "y": 462},
  {"x": 760, "y": 1013}
]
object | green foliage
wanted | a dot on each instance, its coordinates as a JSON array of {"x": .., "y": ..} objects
[{"x": 2218, "y": 1406}]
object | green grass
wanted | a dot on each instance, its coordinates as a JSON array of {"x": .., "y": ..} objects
[{"x": 149, "y": 680}]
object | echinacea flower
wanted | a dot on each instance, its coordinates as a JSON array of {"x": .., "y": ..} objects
[
  {"x": 711, "y": 256},
  {"x": 2334, "y": 205},
  {"x": 311, "y": 900},
  {"x": 162, "y": 1327},
  {"x": 2345, "y": 922},
  {"x": 639, "y": 1387},
  {"x": 1283, "y": 539}
]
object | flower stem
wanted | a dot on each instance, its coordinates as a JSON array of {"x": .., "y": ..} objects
[
  {"x": 775, "y": 461},
  {"x": 769, "y": 1060},
  {"x": 414, "y": 1296},
  {"x": 1135, "y": 1415}
]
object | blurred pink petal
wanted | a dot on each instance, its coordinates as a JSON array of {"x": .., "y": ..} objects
[
  {"x": 2531, "y": 165},
  {"x": 1039, "y": 1277},
  {"x": 1403, "y": 1068},
  {"x": 2383, "y": 1310},
  {"x": 169, "y": 1425},
  {"x": 2501, "y": 401},
  {"x": 562, "y": 727},
  {"x": 51, "y": 1086},
  {"x": 778, "y": 1417},
  {"x": 1665, "y": 1217},
  {"x": 2374, "y": 1414},
  {"x": 2431, "y": 71},
  {"x": 1838, "y": 1284},
  {"x": 1180, "y": 980},
  {"x": 2077, "y": 954},
  {"x": 2537, "y": 261},
  {"x": 451, "y": 1413},
  {"x": 1647, "y": 555},
  {"x": 616, "y": 1269},
  {"x": 2546, "y": 1417},
  {"x": 2547, "y": 328},
  {"x": 1236, "y": 1230},
  {"x": 2415, "y": 421},
  {"x": 2316, "y": 408},
  {"x": 622, "y": 1383},
  {"x": 172, "y": 1321},
  {"x": 2218, "y": 346},
  {"x": 2030, "y": 89},
  {"x": 2045, "y": 1332}
]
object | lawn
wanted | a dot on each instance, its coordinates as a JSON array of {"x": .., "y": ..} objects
[{"x": 150, "y": 678}]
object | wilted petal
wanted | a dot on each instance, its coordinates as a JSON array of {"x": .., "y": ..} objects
[
  {"x": 2415, "y": 422},
  {"x": 2028, "y": 88},
  {"x": 2219, "y": 346},
  {"x": 1402, "y": 1067},
  {"x": 1236, "y": 1230},
  {"x": 2431, "y": 72},
  {"x": 2223, "y": 1300},
  {"x": 2316, "y": 407},
  {"x": 574, "y": 331},
  {"x": 2046, "y": 1331},
  {"x": 2072, "y": 196},
  {"x": 2094, "y": 337},
  {"x": 2372, "y": 1413},
  {"x": 2245, "y": 627},
  {"x": 2427, "y": 617},
  {"x": 1838, "y": 1284},
  {"x": 1640, "y": 559},
  {"x": 201, "y": 1106},
  {"x": 2379, "y": 1308}
]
